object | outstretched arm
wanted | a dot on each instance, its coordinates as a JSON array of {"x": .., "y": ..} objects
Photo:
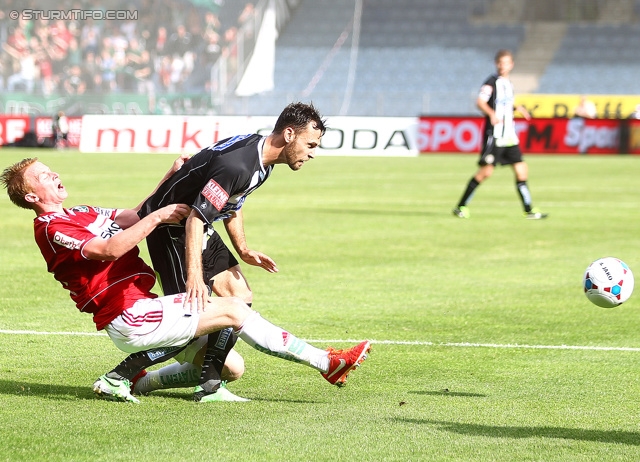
[
  {"x": 122, "y": 242},
  {"x": 128, "y": 217},
  {"x": 523, "y": 110}
]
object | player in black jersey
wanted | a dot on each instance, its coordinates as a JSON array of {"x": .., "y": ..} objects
[
  {"x": 191, "y": 257},
  {"x": 215, "y": 182},
  {"x": 500, "y": 143}
]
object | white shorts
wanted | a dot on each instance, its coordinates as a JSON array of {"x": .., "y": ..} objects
[{"x": 153, "y": 323}]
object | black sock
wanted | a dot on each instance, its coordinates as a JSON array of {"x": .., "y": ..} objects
[
  {"x": 218, "y": 346},
  {"x": 525, "y": 195},
  {"x": 468, "y": 193},
  {"x": 136, "y": 362}
]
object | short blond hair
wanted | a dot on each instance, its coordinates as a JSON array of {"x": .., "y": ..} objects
[{"x": 14, "y": 180}]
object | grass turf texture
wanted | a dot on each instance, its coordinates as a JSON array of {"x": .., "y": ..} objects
[{"x": 367, "y": 248}]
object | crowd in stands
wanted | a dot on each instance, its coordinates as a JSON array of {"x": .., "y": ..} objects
[{"x": 170, "y": 47}]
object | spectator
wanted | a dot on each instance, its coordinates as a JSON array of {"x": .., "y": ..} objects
[
  {"x": 25, "y": 78},
  {"x": 74, "y": 53},
  {"x": 210, "y": 51},
  {"x": 90, "y": 37},
  {"x": 93, "y": 71},
  {"x": 63, "y": 45},
  {"x": 75, "y": 83},
  {"x": 246, "y": 14},
  {"x": 206, "y": 57},
  {"x": 45, "y": 69},
  {"x": 163, "y": 79},
  {"x": 177, "y": 73},
  {"x": 128, "y": 29},
  {"x": 61, "y": 35},
  {"x": 108, "y": 70},
  {"x": 211, "y": 24},
  {"x": 230, "y": 48},
  {"x": 132, "y": 63},
  {"x": 144, "y": 78},
  {"x": 13, "y": 49},
  {"x": 17, "y": 40},
  {"x": 246, "y": 21},
  {"x": 161, "y": 42},
  {"x": 179, "y": 42}
]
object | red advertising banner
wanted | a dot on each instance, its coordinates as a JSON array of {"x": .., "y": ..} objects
[
  {"x": 572, "y": 136},
  {"x": 13, "y": 128},
  {"x": 537, "y": 136}
]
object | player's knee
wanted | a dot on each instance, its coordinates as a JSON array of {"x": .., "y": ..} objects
[
  {"x": 481, "y": 176},
  {"x": 242, "y": 291},
  {"x": 222, "y": 312},
  {"x": 233, "y": 367},
  {"x": 237, "y": 310}
]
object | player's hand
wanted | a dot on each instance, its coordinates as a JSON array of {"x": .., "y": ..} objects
[
  {"x": 173, "y": 213},
  {"x": 179, "y": 162},
  {"x": 197, "y": 296},
  {"x": 254, "y": 258}
]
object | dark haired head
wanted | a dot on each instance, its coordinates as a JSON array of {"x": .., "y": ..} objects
[{"x": 298, "y": 116}]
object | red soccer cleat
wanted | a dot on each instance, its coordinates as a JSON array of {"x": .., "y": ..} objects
[{"x": 341, "y": 362}]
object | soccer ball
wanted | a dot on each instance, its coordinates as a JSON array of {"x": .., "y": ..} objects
[{"x": 608, "y": 282}]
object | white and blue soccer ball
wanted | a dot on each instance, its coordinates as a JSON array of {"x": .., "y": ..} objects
[{"x": 608, "y": 282}]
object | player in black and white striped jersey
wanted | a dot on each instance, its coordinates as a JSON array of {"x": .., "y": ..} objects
[{"x": 500, "y": 142}]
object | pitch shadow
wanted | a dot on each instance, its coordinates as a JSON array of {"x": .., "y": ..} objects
[
  {"x": 578, "y": 434},
  {"x": 189, "y": 397},
  {"x": 46, "y": 390},
  {"x": 449, "y": 393},
  {"x": 71, "y": 393}
]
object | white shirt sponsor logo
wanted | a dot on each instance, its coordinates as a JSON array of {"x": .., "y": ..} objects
[
  {"x": 215, "y": 194},
  {"x": 66, "y": 241},
  {"x": 104, "y": 227}
]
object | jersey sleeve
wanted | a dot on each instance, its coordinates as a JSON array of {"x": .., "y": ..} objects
[
  {"x": 67, "y": 234},
  {"x": 487, "y": 89},
  {"x": 67, "y": 237},
  {"x": 226, "y": 177}
]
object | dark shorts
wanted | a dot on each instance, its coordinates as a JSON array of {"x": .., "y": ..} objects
[
  {"x": 167, "y": 251},
  {"x": 499, "y": 155}
]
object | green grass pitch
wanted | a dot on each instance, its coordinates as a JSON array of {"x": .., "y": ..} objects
[{"x": 485, "y": 347}]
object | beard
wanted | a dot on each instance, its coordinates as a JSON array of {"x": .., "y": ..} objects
[{"x": 290, "y": 155}]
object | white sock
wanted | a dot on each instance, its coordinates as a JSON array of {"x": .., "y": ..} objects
[
  {"x": 174, "y": 375},
  {"x": 272, "y": 340}
]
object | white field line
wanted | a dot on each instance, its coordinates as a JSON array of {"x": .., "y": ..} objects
[
  {"x": 35, "y": 332},
  {"x": 381, "y": 342}
]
